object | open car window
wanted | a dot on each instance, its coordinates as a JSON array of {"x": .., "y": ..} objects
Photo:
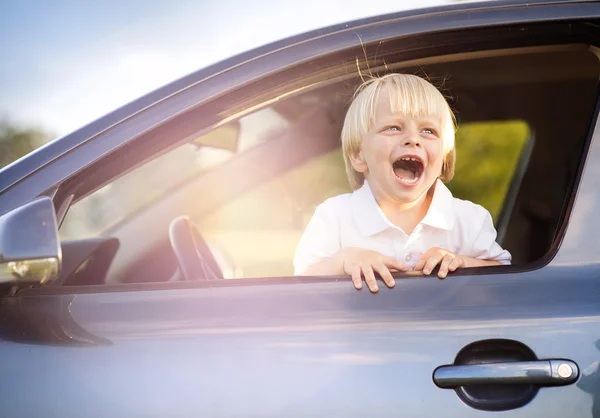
[
  {"x": 252, "y": 196},
  {"x": 259, "y": 230}
]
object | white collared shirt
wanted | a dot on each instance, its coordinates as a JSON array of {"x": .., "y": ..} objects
[{"x": 356, "y": 220}]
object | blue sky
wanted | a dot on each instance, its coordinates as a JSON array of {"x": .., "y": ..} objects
[{"x": 65, "y": 63}]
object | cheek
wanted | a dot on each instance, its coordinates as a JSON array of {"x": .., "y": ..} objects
[
  {"x": 376, "y": 152},
  {"x": 436, "y": 155}
]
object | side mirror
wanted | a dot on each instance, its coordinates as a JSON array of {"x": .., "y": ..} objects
[{"x": 30, "y": 250}]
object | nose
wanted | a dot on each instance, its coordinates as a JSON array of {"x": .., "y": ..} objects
[{"x": 412, "y": 140}]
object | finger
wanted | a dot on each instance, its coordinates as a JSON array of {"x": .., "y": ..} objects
[
  {"x": 356, "y": 279},
  {"x": 385, "y": 274},
  {"x": 395, "y": 264},
  {"x": 456, "y": 263},
  {"x": 421, "y": 262},
  {"x": 446, "y": 261},
  {"x": 370, "y": 278},
  {"x": 433, "y": 261}
]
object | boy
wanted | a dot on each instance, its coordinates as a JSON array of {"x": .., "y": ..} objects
[{"x": 398, "y": 145}]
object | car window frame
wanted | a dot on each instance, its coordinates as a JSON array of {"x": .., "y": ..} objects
[
  {"x": 65, "y": 192},
  {"x": 291, "y": 280},
  {"x": 476, "y": 271},
  {"x": 537, "y": 263}
]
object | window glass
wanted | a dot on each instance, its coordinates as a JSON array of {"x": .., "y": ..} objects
[
  {"x": 259, "y": 230},
  {"x": 117, "y": 201},
  {"x": 487, "y": 157}
]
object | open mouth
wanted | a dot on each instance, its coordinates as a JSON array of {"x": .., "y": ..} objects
[{"x": 408, "y": 169}]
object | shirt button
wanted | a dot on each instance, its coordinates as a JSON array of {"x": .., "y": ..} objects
[{"x": 409, "y": 257}]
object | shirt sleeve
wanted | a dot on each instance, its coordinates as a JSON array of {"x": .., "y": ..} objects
[
  {"x": 485, "y": 246},
  {"x": 321, "y": 239}
]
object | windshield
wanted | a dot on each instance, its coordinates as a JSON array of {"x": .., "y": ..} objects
[{"x": 134, "y": 191}]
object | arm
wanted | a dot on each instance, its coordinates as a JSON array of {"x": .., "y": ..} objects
[
  {"x": 329, "y": 266},
  {"x": 319, "y": 253},
  {"x": 483, "y": 251},
  {"x": 485, "y": 248},
  {"x": 476, "y": 262},
  {"x": 319, "y": 242}
]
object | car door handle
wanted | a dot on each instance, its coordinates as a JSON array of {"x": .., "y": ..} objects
[{"x": 540, "y": 372}]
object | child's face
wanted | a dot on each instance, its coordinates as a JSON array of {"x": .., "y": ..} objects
[{"x": 401, "y": 156}]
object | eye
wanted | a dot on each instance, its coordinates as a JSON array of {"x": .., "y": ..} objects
[
  {"x": 393, "y": 128},
  {"x": 430, "y": 131}
]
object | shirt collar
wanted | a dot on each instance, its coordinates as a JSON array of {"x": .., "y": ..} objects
[
  {"x": 371, "y": 220},
  {"x": 366, "y": 212},
  {"x": 440, "y": 214}
]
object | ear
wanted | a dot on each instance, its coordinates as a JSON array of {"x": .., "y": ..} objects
[{"x": 358, "y": 162}]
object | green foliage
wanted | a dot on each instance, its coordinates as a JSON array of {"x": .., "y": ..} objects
[
  {"x": 15, "y": 142},
  {"x": 487, "y": 154}
]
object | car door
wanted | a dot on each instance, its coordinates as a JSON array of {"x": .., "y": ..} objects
[{"x": 522, "y": 339}]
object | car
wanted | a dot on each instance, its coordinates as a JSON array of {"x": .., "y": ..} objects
[{"x": 146, "y": 258}]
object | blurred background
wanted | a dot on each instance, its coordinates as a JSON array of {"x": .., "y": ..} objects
[{"x": 65, "y": 63}]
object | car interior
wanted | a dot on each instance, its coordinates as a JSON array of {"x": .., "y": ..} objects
[{"x": 552, "y": 86}]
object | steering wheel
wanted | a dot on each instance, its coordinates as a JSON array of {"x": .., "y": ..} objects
[{"x": 195, "y": 260}]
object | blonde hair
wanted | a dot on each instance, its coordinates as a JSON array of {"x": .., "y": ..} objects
[{"x": 409, "y": 95}]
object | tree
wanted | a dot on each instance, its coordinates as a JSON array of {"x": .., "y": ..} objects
[{"x": 16, "y": 141}]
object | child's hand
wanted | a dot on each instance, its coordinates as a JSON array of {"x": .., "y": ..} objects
[
  {"x": 359, "y": 262},
  {"x": 448, "y": 261}
]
